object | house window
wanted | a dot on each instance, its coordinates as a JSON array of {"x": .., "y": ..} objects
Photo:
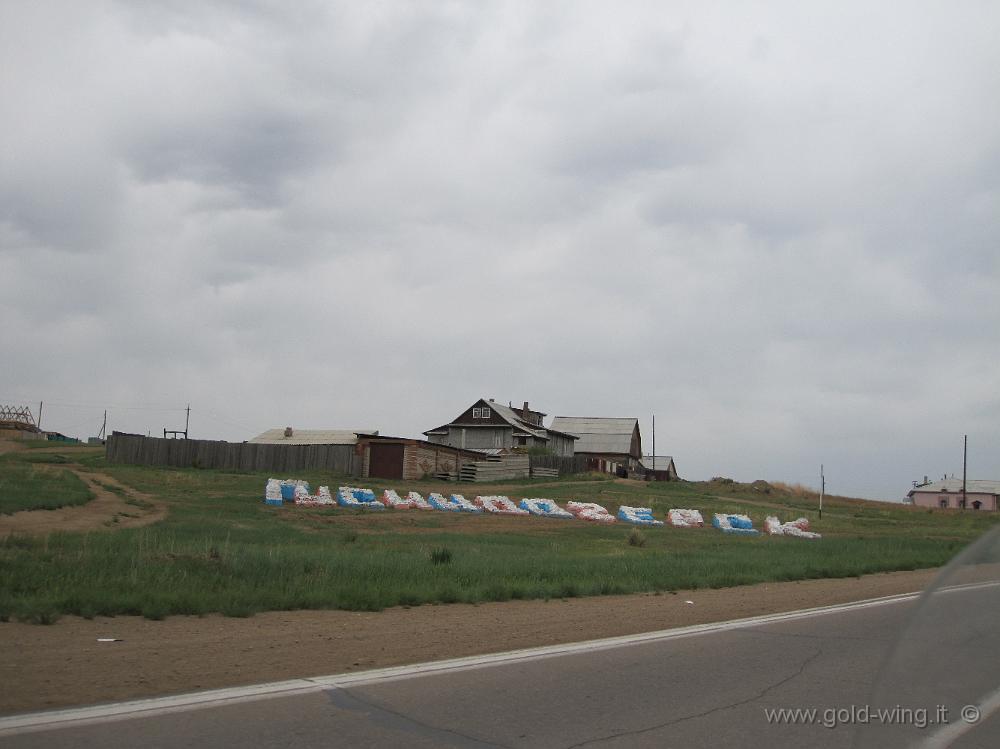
[
  {"x": 484, "y": 413},
  {"x": 944, "y": 502},
  {"x": 477, "y": 413},
  {"x": 976, "y": 505}
]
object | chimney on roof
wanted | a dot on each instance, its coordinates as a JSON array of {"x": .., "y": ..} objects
[
  {"x": 289, "y": 432},
  {"x": 524, "y": 411}
]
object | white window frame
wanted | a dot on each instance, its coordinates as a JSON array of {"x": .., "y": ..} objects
[
  {"x": 485, "y": 413},
  {"x": 477, "y": 413}
]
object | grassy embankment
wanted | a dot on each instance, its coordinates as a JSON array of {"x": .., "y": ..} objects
[
  {"x": 220, "y": 549},
  {"x": 28, "y": 483}
]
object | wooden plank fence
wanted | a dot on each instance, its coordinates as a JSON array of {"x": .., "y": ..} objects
[
  {"x": 135, "y": 449},
  {"x": 566, "y": 466},
  {"x": 496, "y": 469}
]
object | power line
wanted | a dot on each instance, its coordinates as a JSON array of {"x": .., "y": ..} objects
[{"x": 102, "y": 406}]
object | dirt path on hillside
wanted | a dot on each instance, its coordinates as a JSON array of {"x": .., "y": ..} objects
[
  {"x": 63, "y": 664},
  {"x": 114, "y": 506}
]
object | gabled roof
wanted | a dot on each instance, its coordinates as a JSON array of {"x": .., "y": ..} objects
[
  {"x": 510, "y": 415},
  {"x": 598, "y": 435},
  {"x": 662, "y": 462},
  {"x": 514, "y": 419},
  {"x": 972, "y": 486},
  {"x": 311, "y": 436},
  {"x": 505, "y": 413}
]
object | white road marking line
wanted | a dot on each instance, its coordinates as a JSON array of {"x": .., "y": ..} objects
[
  {"x": 53, "y": 719},
  {"x": 947, "y": 735}
]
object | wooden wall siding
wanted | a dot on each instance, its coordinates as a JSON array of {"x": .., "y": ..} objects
[
  {"x": 495, "y": 418},
  {"x": 506, "y": 467},
  {"x": 561, "y": 446},
  {"x": 484, "y": 437},
  {"x": 636, "y": 446},
  {"x": 566, "y": 465},
  {"x": 20, "y": 434},
  {"x": 133, "y": 449},
  {"x": 421, "y": 460}
]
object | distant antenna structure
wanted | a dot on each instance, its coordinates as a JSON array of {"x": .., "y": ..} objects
[{"x": 175, "y": 432}]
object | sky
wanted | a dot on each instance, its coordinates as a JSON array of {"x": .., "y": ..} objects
[{"x": 775, "y": 226}]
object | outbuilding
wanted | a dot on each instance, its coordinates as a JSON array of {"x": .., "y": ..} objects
[
  {"x": 947, "y": 493},
  {"x": 611, "y": 445},
  {"x": 409, "y": 459},
  {"x": 659, "y": 468}
]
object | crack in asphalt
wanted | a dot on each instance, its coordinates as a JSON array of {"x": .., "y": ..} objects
[
  {"x": 804, "y": 636},
  {"x": 684, "y": 718},
  {"x": 387, "y": 718}
]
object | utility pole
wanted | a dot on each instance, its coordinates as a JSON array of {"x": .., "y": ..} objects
[
  {"x": 822, "y": 490},
  {"x": 965, "y": 459},
  {"x": 104, "y": 427},
  {"x": 654, "y": 447},
  {"x": 187, "y": 419},
  {"x": 39, "y": 422}
]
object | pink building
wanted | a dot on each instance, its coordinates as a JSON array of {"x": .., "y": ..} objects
[{"x": 979, "y": 495}]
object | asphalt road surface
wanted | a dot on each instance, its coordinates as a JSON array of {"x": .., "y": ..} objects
[{"x": 709, "y": 686}]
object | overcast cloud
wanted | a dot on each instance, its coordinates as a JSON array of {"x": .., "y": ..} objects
[{"x": 774, "y": 225}]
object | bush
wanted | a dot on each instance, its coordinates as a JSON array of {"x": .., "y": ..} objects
[
  {"x": 635, "y": 538},
  {"x": 441, "y": 556}
]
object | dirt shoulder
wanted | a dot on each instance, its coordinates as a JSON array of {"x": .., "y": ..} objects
[
  {"x": 114, "y": 506},
  {"x": 63, "y": 664}
]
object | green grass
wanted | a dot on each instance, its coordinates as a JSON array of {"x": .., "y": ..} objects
[
  {"x": 221, "y": 550},
  {"x": 23, "y": 486}
]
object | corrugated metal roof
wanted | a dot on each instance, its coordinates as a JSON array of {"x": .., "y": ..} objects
[
  {"x": 311, "y": 436},
  {"x": 488, "y": 450},
  {"x": 662, "y": 462},
  {"x": 598, "y": 435},
  {"x": 955, "y": 485},
  {"x": 594, "y": 425}
]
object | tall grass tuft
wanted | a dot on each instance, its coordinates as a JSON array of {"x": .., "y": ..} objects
[
  {"x": 636, "y": 538},
  {"x": 441, "y": 555}
]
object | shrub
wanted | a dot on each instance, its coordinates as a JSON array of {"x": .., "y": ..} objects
[
  {"x": 441, "y": 556},
  {"x": 635, "y": 538}
]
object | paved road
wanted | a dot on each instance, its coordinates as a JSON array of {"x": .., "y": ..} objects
[{"x": 707, "y": 689}]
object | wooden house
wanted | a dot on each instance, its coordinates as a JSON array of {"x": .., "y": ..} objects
[
  {"x": 947, "y": 493},
  {"x": 489, "y": 426}
]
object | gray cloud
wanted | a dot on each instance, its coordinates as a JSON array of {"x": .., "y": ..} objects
[{"x": 774, "y": 226}]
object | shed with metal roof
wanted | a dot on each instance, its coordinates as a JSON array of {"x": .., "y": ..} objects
[
  {"x": 948, "y": 493},
  {"x": 659, "y": 467},
  {"x": 612, "y": 444},
  {"x": 290, "y": 436}
]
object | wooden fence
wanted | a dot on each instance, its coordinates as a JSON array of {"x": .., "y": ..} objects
[
  {"x": 135, "y": 449},
  {"x": 566, "y": 465},
  {"x": 496, "y": 469}
]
